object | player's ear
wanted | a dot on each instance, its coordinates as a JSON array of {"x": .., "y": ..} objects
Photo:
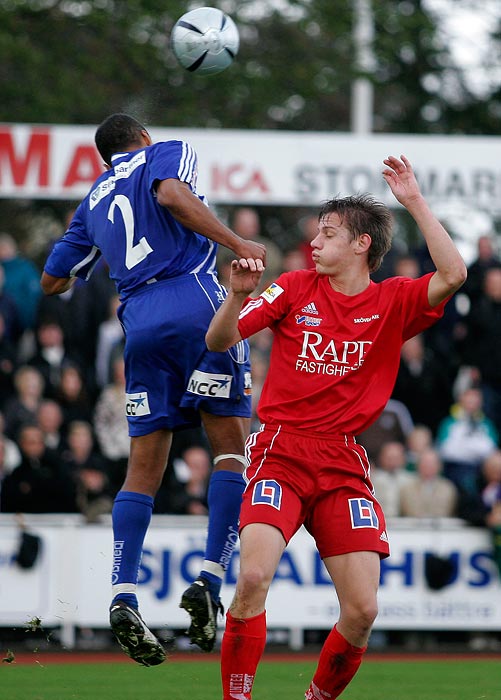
[
  {"x": 364, "y": 242},
  {"x": 146, "y": 137}
]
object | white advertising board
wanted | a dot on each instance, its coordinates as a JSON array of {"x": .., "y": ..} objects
[
  {"x": 69, "y": 585},
  {"x": 263, "y": 167}
]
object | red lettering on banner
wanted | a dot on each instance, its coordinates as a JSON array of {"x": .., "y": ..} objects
[
  {"x": 238, "y": 179},
  {"x": 85, "y": 167},
  {"x": 36, "y": 158}
]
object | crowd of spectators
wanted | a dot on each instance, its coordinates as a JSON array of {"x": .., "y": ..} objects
[{"x": 435, "y": 450}]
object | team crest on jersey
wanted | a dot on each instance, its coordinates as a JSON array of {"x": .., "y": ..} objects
[
  {"x": 308, "y": 320},
  {"x": 273, "y": 291},
  {"x": 137, "y": 404}
]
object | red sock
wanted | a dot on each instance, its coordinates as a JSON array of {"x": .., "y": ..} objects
[
  {"x": 241, "y": 649},
  {"x": 339, "y": 661}
]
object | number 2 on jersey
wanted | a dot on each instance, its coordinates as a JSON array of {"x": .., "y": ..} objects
[{"x": 134, "y": 254}]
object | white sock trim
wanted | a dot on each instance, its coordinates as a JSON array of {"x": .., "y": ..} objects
[
  {"x": 212, "y": 568},
  {"x": 239, "y": 458},
  {"x": 123, "y": 588}
]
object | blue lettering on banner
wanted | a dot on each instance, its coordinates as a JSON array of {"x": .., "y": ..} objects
[
  {"x": 267, "y": 492},
  {"x": 485, "y": 576},
  {"x": 287, "y": 570},
  {"x": 406, "y": 567},
  {"x": 320, "y": 574},
  {"x": 161, "y": 569},
  {"x": 362, "y": 513}
]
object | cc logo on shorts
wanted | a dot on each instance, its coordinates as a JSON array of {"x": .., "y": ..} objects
[{"x": 267, "y": 492}]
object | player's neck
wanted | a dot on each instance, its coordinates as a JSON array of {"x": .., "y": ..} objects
[{"x": 348, "y": 284}]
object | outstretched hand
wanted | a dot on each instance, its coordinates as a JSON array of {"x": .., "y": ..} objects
[
  {"x": 245, "y": 275},
  {"x": 401, "y": 179}
]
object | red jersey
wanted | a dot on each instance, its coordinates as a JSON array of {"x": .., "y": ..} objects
[{"x": 334, "y": 358}]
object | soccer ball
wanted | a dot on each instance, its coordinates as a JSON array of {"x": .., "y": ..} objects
[{"x": 205, "y": 40}]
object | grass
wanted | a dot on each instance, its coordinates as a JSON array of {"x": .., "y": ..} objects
[{"x": 453, "y": 679}]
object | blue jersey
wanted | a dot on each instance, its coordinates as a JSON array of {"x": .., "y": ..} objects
[{"x": 121, "y": 220}]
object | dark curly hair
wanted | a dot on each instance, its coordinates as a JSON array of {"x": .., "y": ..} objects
[{"x": 117, "y": 133}]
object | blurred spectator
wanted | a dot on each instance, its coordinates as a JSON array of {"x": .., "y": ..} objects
[
  {"x": 246, "y": 223},
  {"x": 7, "y": 364},
  {"x": 293, "y": 260},
  {"x": 193, "y": 472},
  {"x": 481, "y": 347},
  {"x": 37, "y": 485},
  {"x": 393, "y": 425},
  {"x": 189, "y": 456},
  {"x": 486, "y": 259},
  {"x": 88, "y": 470},
  {"x": 22, "y": 280},
  {"x": 308, "y": 226},
  {"x": 423, "y": 383},
  {"x": 50, "y": 419},
  {"x": 110, "y": 424},
  {"x": 419, "y": 439},
  {"x": 407, "y": 265},
  {"x": 464, "y": 439},
  {"x": 110, "y": 334},
  {"x": 73, "y": 397},
  {"x": 12, "y": 328},
  {"x": 23, "y": 406},
  {"x": 491, "y": 500},
  {"x": 12, "y": 455},
  {"x": 389, "y": 475},
  {"x": 50, "y": 355},
  {"x": 4, "y": 470},
  {"x": 428, "y": 494},
  {"x": 69, "y": 312}
]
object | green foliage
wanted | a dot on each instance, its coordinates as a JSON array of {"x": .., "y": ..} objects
[{"x": 75, "y": 61}]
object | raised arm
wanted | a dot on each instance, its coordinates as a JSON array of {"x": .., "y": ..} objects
[
  {"x": 451, "y": 270},
  {"x": 189, "y": 210},
  {"x": 223, "y": 332}
]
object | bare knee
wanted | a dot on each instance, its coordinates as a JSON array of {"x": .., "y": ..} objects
[
  {"x": 252, "y": 589},
  {"x": 356, "y": 621}
]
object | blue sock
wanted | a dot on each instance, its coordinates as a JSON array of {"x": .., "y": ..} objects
[
  {"x": 131, "y": 517},
  {"x": 224, "y": 498}
]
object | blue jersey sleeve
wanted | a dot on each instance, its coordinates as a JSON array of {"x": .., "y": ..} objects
[
  {"x": 173, "y": 159},
  {"x": 74, "y": 255}
]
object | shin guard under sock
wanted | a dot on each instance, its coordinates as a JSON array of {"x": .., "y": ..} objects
[
  {"x": 241, "y": 650},
  {"x": 224, "y": 499},
  {"x": 131, "y": 516},
  {"x": 339, "y": 661}
]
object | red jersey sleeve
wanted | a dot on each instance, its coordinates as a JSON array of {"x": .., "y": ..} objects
[
  {"x": 266, "y": 310},
  {"x": 418, "y": 315}
]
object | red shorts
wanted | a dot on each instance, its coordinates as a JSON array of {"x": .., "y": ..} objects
[{"x": 296, "y": 479}]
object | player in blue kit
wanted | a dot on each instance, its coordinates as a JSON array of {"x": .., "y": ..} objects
[{"x": 159, "y": 239}]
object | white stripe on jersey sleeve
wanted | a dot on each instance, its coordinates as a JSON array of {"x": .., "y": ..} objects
[
  {"x": 93, "y": 255},
  {"x": 250, "y": 306},
  {"x": 187, "y": 165}
]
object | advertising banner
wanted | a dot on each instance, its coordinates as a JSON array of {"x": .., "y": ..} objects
[
  {"x": 70, "y": 582},
  {"x": 263, "y": 167}
]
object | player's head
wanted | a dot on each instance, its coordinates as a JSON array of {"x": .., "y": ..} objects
[
  {"x": 364, "y": 214},
  {"x": 119, "y": 133}
]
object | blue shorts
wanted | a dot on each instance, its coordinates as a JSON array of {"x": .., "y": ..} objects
[{"x": 169, "y": 372}]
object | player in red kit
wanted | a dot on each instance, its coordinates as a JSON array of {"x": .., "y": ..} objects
[{"x": 335, "y": 355}]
